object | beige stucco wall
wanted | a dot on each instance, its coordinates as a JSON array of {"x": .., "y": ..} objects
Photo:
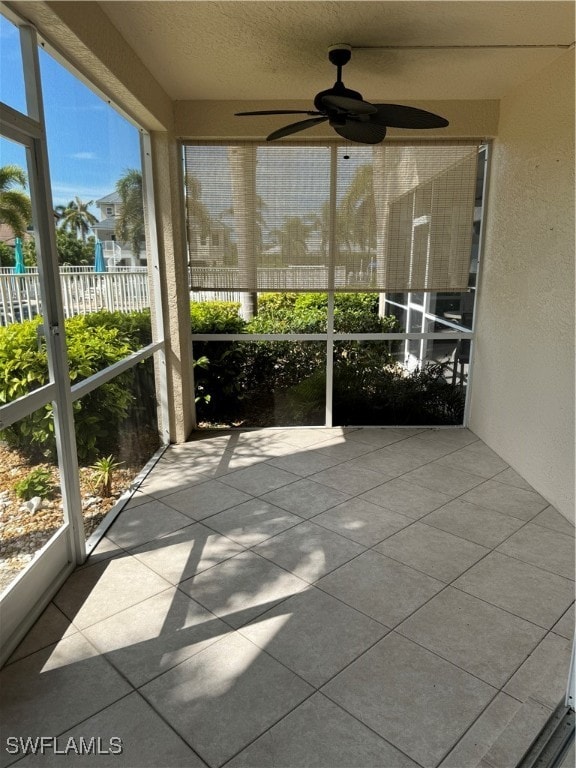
[{"x": 522, "y": 401}]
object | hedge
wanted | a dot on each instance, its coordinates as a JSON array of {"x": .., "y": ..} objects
[{"x": 93, "y": 342}]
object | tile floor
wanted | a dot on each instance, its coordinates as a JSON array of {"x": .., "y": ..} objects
[{"x": 371, "y": 598}]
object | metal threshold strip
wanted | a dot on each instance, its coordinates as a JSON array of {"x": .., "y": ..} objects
[{"x": 554, "y": 746}]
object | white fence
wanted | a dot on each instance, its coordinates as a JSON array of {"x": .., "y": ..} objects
[{"x": 83, "y": 291}]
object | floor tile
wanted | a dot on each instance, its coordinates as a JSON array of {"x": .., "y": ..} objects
[
  {"x": 145, "y": 523},
  {"x": 411, "y": 697},
  {"x": 565, "y": 625},
  {"x": 314, "y": 635},
  {"x": 342, "y": 449},
  {"x": 551, "y": 518},
  {"x": 252, "y": 522},
  {"x": 242, "y": 588},
  {"x": 304, "y": 463},
  {"x": 432, "y": 551},
  {"x": 482, "y": 734},
  {"x": 441, "y": 478},
  {"x": 457, "y": 438},
  {"x": 507, "y": 499},
  {"x": 92, "y": 594},
  {"x": 171, "y": 480},
  {"x": 484, "y": 640},
  {"x": 309, "y": 551},
  {"x": 319, "y": 734},
  {"x": 379, "y": 437},
  {"x": 544, "y": 674},
  {"x": 533, "y": 594},
  {"x": 105, "y": 549},
  {"x": 350, "y": 482},
  {"x": 380, "y": 587},
  {"x": 362, "y": 521},
  {"x": 408, "y": 499},
  {"x": 51, "y": 627},
  {"x": 305, "y": 498},
  {"x": 205, "y": 499},
  {"x": 473, "y": 462},
  {"x": 259, "y": 479},
  {"x": 56, "y": 687},
  {"x": 388, "y": 462},
  {"x": 482, "y": 526},
  {"x": 542, "y": 547},
  {"x": 147, "y": 741},
  {"x": 149, "y": 638},
  {"x": 303, "y": 438},
  {"x": 422, "y": 450},
  {"x": 510, "y": 746},
  {"x": 224, "y": 697},
  {"x": 510, "y": 477},
  {"x": 184, "y": 553}
]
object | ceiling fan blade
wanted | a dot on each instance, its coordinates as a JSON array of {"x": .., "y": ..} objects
[
  {"x": 277, "y": 112},
  {"x": 364, "y": 132},
  {"x": 346, "y": 104},
  {"x": 397, "y": 116},
  {"x": 295, "y": 127}
]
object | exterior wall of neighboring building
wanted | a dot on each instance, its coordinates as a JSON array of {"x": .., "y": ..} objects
[
  {"x": 115, "y": 252},
  {"x": 523, "y": 381}
]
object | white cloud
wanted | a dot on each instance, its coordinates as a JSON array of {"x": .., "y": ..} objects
[{"x": 84, "y": 156}]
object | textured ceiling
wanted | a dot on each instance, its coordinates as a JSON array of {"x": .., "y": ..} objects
[{"x": 278, "y": 50}]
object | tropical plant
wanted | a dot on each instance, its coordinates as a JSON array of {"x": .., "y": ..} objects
[
  {"x": 71, "y": 250},
  {"x": 130, "y": 220},
  {"x": 38, "y": 482},
  {"x": 15, "y": 205},
  {"x": 198, "y": 214},
  {"x": 103, "y": 471},
  {"x": 76, "y": 218},
  {"x": 291, "y": 237}
]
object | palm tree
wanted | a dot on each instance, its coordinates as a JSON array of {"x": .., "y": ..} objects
[
  {"x": 199, "y": 219},
  {"x": 130, "y": 221},
  {"x": 292, "y": 236},
  {"x": 242, "y": 164},
  {"x": 76, "y": 218},
  {"x": 15, "y": 206},
  {"x": 357, "y": 210}
]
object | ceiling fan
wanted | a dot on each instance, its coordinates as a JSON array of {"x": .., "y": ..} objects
[{"x": 350, "y": 116}]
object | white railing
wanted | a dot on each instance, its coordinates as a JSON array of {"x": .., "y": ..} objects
[
  {"x": 123, "y": 289},
  {"x": 269, "y": 278}
]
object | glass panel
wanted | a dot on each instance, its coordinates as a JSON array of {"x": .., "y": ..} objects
[
  {"x": 260, "y": 383},
  {"x": 116, "y": 434},
  {"x": 30, "y": 497},
  {"x": 12, "y": 90},
  {"x": 98, "y": 205},
  {"x": 19, "y": 289},
  {"x": 392, "y": 383}
]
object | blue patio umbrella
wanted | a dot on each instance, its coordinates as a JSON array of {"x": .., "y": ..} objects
[
  {"x": 99, "y": 263},
  {"x": 19, "y": 266}
]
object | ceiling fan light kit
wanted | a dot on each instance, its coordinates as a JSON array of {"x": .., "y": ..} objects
[{"x": 346, "y": 111}]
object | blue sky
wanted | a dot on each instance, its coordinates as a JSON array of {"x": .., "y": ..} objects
[{"x": 89, "y": 144}]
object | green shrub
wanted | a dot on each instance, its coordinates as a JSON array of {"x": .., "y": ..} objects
[
  {"x": 38, "y": 482},
  {"x": 93, "y": 343}
]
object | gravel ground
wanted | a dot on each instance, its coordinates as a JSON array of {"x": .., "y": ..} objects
[{"x": 22, "y": 534}]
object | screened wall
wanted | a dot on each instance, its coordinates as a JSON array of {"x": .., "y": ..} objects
[
  {"x": 322, "y": 217},
  {"x": 350, "y": 276}
]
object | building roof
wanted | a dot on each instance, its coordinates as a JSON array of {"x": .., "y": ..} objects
[
  {"x": 113, "y": 197},
  {"x": 108, "y": 224}
]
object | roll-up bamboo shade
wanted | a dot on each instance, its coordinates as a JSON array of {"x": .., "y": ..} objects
[{"x": 312, "y": 217}]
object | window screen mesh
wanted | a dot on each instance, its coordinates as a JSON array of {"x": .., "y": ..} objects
[{"x": 313, "y": 217}]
